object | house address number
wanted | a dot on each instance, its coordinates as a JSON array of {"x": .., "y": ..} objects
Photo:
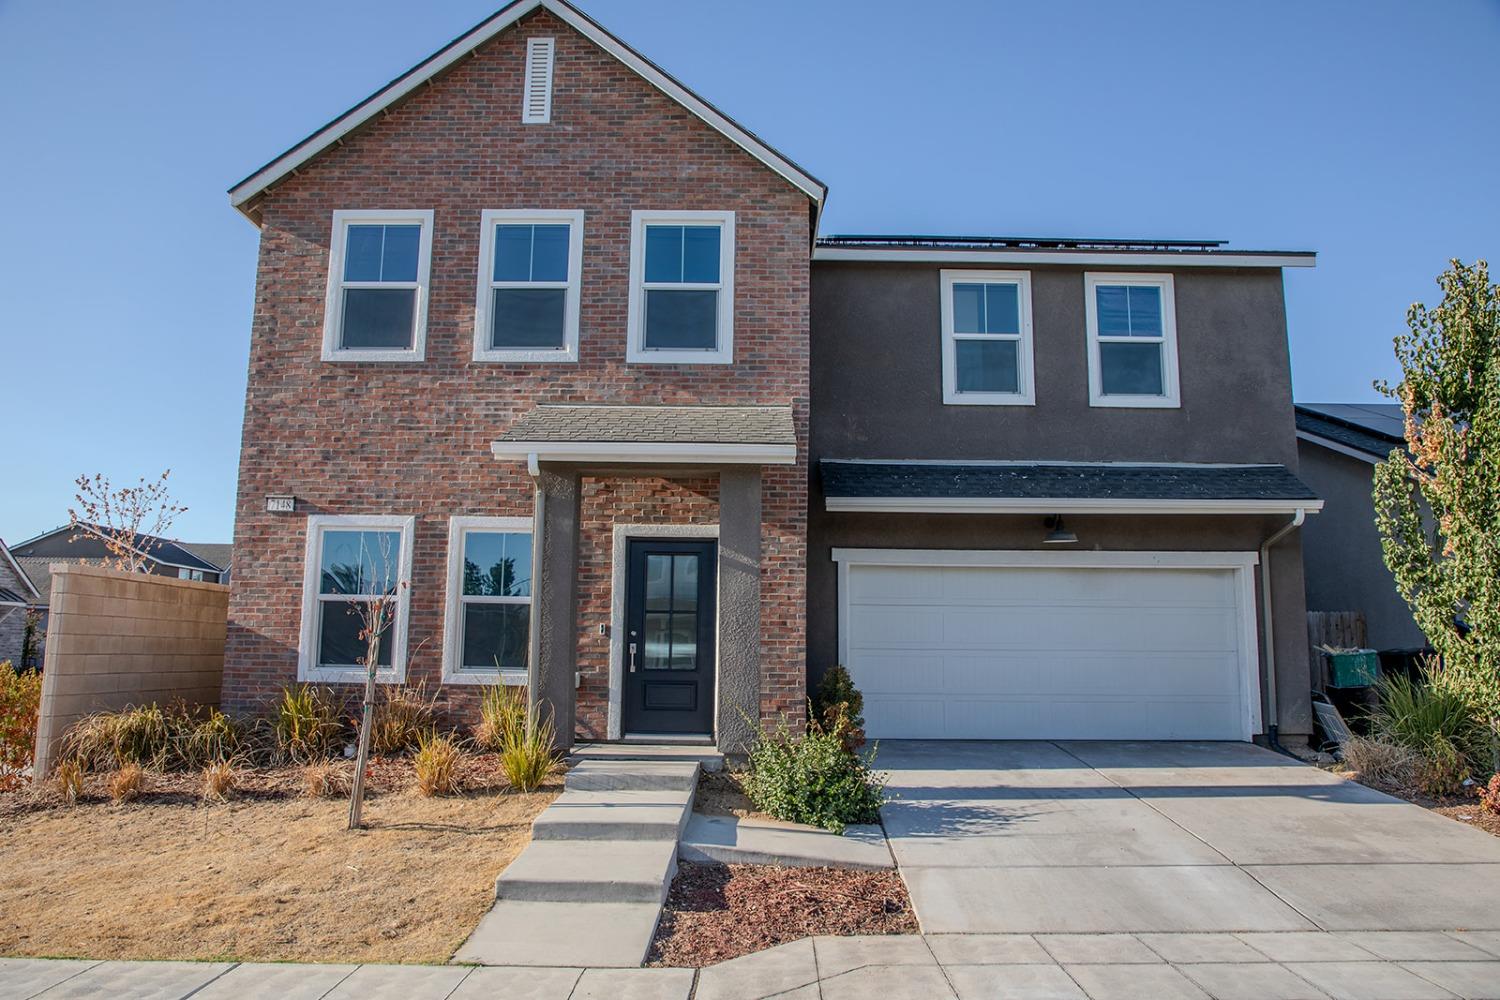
[{"x": 281, "y": 505}]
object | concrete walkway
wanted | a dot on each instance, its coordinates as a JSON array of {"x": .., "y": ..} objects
[
  {"x": 1297, "y": 965},
  {"x": 1171, "y": 838}
]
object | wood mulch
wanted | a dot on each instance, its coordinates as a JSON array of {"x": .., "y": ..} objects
[{"x": 718, "y": 912}]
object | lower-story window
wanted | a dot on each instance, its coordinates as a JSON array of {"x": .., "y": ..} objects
[
  {"x": 488, "y": 614},
  {"x": 352, "y": 561}
]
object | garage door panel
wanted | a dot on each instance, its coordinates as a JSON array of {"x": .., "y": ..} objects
[{"x": 1044, "y": 653}]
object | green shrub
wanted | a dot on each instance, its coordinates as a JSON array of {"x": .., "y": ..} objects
[
  {"x": 527, "y": 754},
  {"x": 502, "y": 716},
  {"x": 1427, "y": 719},
  {"x": 306, "y": 726},
  {"x": 403, "y": 719},
  {"x": 814, "y": 779},
  {"x": 838, "y": 705},
  {"x": 20, "y": 697}
]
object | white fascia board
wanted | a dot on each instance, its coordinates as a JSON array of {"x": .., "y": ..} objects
[
  {"x": 646, "y": 452},
  {"x": 1046, "y": 558},
  {"x": 1063, "y": 505},
  {"x": 1342, "y": 449},
  {"x": 351, "y": 120},
  {"x": 1086, "y": 257}
]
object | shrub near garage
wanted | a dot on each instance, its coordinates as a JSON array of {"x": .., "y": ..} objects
[{"x": 815, "y": 778}]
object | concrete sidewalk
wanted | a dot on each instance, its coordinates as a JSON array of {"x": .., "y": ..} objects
[{"x": 1313, "y": 965}]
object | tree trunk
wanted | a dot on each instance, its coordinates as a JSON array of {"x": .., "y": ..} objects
[{"x": 367, "y": 716}]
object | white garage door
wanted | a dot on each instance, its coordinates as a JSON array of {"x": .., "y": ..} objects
[{"x": 1042, "y": 652}]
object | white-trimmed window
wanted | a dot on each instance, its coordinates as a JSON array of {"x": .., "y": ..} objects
[
  {"x": 1132, "y": 339},
  {"x": 350, "y": 560},
  {"x": 527, "y": 303},
  {"x": 681, "y": 288},
  {"x": 987, "y": 338},
  {"x": 378, "y": 268},
  {"x": 487, "y": 620}
]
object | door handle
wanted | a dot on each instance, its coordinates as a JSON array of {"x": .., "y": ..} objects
[{"x": 632, "y": 657}]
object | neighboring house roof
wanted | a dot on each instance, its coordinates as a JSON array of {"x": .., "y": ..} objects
[
  {"x": 1361, "y": 430},
  {"x": 1061, "y": 487},
  {"x": 153, "y": 547},
  {"x": 11, "y": 599},
  {"x": 218, "y": 553},
  {"x": 1052, "y": 250},
  {"x": 38, "y": 571},
  {"x": 550, "y": 432},
  {"x": 242, "y": 195},
  {"x": 20, "y": 572}
]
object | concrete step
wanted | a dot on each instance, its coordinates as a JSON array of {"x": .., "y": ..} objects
[
  {"x": 632, "y": 775},
  {"x": 601, "y": 935},
  {"x": 615, "y": 815},
  {"x": 708, "y": 757},
  {"x": 731, "y": 840},
  {"x": 573, "y": 871}
]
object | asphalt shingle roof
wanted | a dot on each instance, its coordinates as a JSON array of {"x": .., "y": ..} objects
[
  {"x": 36, "y": 569},
  {"x": 655, "y": 424},
  {"x": 1373, "y": 428},
  {"x": 1074, "y": 482}
]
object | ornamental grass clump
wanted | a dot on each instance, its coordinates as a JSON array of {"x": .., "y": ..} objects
[
  {"x": 306, "y": 726},
  {"x": 218, "y": 781},
  {"x": 403, "y": 720},
  {"x": 502, "y": 716},
  {"x": 815, "y": 778},
  {"x": 527, "y": 755},
  {"x": 139, "y": 736},
  {"x": 127, "y": 783},
  {"x": 436, "y": 764},
  {"x": 69, "y": 778}
]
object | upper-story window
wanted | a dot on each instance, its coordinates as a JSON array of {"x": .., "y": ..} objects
[
  {"x": 987, "y": 338},
  {"x": 528, "y": 299},
  {"x": 1132, "y": 340},
  {"x": 681, "y": 288},
  {"x": 378, "y": 268}
]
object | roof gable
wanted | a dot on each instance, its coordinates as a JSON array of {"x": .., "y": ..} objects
[
  {"x": 21, "y": 575},
  {"x": 243, "y": 195}
]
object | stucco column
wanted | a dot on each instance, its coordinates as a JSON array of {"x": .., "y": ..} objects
[
  {"x": 738, "y": 709},
  {"x": 554, "y": 641}
]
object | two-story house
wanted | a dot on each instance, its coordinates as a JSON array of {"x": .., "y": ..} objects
[{"x": 546, "y": 346}]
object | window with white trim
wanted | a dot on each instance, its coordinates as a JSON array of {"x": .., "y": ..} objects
[
  {"x": 987, "y": 353},
  {"x": 488, "y": 614},
  {"x": 378, "y": 268},
  {"x": 352, "y": 560},
  {"x": 681, "y": 288},
  {"x": 1132, "y": 340},
  {"x": 528, "y": 298}
]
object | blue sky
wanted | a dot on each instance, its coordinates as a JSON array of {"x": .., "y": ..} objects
[{"x": 1364, "y": 130}]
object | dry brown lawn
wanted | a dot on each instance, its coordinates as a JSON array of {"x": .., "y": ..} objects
[{"x": 271, "y": 878}]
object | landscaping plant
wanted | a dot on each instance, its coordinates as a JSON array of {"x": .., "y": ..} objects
[
  {"x": 1437, "y": 501},
  {"x": 814, "y": 778},
  {"x": 1379, "y": 761},
  {"x": 1489, "y": 795},
  {"x": 1426, "y": 718},
  {"x": 20, "y": 697},
  {"x": 69, "y": 778},
  {"x": 527, "y": 755},
  {"x": 325, "y": 780},
  {"x": 502, "y": 715},
  {"x": 306, "y": 726},
  {"x": 436, "y": 763},
  {"x": 377, "y": 616},
  {"x": 138, "y": 736},
  {"x": 206, "y": 737},
  {"x": 118, "y": 517},
  {"x": 836, "y": 698},
  {"x": 218, "y": 781},
  {"x": 127, "y": 782},
  {"x": 403, "y": 719}
]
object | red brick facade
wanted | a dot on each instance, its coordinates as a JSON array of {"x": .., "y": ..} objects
[{"x": 413, "y": 438}]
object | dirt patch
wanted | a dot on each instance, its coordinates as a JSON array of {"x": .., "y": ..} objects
[
  {"x": 718, "y": 912},
  {"x": 722, "y": 793},
  {"x": 1463, "y": 809},
  {"x": 269, "y": 876}
]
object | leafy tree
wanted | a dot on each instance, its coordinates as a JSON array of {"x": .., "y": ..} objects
[{"x": 1437, "y": 502}]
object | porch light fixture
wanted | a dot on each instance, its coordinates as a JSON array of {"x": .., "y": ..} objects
[{"x": 1056, "y": 533}]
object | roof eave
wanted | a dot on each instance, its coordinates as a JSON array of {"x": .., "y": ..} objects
[
  {"x": 243, "y": 195},
  {"x": 1066, "y": 505}
]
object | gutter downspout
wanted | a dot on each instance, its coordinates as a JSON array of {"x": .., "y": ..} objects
[{"x": 1268, "y": 630}]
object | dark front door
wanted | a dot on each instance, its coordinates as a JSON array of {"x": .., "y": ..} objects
[{"x": 669, "y": 638}]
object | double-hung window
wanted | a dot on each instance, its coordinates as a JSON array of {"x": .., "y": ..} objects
[
  {"x": 351, "y": 562},
  {"x": 378, "y": 268},
  {"x": 681, "y": 288},
  {"x": 487, "y": 633},
  {"x": 528, "y": 299},
  {"x": 987, "y": 338},
  {"x": 1132, "y": 340}
]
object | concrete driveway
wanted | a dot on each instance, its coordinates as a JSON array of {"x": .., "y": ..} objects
[{"x": 1170, "y": 837}]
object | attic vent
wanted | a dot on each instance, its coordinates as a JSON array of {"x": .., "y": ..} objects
[{"x": 536, "y": 106}]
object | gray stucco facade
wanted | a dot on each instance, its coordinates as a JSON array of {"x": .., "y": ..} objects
[
  {"x": 1346, "y": 571},
  {"x": 877, "y": 393}
]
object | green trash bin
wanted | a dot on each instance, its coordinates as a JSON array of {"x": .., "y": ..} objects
[{"x": 1355, "y": 668}]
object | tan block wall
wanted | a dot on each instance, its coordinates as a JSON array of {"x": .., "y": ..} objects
[{"x": 119, "y": 639}]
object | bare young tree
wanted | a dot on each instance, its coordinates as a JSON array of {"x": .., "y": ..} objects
[
  {"x": 376, "y": 616},
  {"x": 119, "y": 516}
]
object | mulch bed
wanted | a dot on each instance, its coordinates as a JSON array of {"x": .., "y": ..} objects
[{"x": 718, "y": 912}]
